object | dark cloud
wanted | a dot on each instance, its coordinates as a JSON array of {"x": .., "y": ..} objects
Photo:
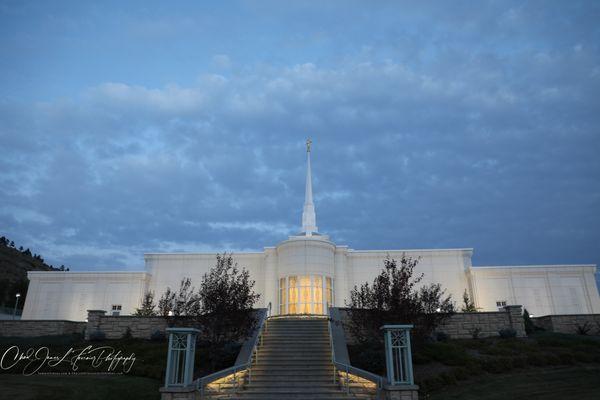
[{"x": 479, "y": 132}]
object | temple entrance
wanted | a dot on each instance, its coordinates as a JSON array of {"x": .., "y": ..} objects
[{"x": 305, "y": 294}]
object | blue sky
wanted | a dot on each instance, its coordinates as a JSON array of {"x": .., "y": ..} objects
[{"x": 132, "y": 127}]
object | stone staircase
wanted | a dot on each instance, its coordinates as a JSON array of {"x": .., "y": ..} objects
[{"x": 294, "y": 362}]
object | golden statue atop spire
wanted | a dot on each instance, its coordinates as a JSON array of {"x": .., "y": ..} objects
[{"x": 308, "y": 143}]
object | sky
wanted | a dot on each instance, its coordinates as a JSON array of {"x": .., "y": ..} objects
[{"x": 133, "y": 127}]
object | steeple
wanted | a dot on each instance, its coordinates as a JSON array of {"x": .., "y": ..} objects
[{"x": 309, "y": 218}]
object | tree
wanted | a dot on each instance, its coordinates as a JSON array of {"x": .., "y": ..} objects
[
  {"x": 393, "y": 298},
  {"x": 227, "y": 297},
  {"x": 529, "y": 326},
  {"x": 468, "y": 304},
  {"x": 223, "y": 305},
  {"x": 148, "y": 308},
  {"x": 165, "y": 303}
]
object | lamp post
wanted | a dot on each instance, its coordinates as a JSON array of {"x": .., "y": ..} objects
[{"x": 16, "y": 304}]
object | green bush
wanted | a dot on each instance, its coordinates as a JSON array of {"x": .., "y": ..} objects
[
  {"x": 497, "y": 365},
  {"x": 447, "y": 353},
  {"x": 158, "y": 336},
  {"x": 127, "y": 334},
  {"x": 507, "y": 333},
  {"x": 97, "y": 336}
]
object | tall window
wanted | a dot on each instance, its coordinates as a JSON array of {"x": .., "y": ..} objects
[
  {"x": 293, "y": 295},
  {"x": 282, "y": 296},
  {"x": 307, "y": 294},
  {"x": 318, "y": 295}
]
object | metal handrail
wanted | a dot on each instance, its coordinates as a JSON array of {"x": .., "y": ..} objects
[
  {"x": 347, "y": 368},
  {"x": 205, "y": 380}
]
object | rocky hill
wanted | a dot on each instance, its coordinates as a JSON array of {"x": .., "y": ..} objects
[{"x": 14, "y": 264}]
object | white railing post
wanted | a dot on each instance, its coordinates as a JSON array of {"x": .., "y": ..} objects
[
  {"x": 180, "y": 357},
  {"x": 398, "y": 354}
]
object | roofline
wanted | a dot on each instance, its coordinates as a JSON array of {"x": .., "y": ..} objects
[
  {"x": 412, "y": 250},
  {"x": 57, "y": 273},
  {"x": 204, "y": 254},
  {"x": 538, "y": 266}
]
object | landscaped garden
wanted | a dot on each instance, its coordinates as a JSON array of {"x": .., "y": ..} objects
[{"x": 493, "y": 368}]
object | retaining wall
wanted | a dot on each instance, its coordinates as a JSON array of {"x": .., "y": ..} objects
[
  {"x": 34, "y": 327},
  {"x": 569, "y": 323},
  {"x": 463, "y": 325},
  {"x": 115, "y": 327}
]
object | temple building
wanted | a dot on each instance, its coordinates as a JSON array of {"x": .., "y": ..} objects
[{"x": 308, "y": 272}]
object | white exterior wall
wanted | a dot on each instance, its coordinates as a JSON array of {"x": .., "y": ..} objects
[
  {"x": 447, "y": 267},
  {"x": 306, "y": 255},
  {"x": 168, "y": 270},
  {"x": 68, "y": 295},
  {"x": 542, "y": 290}
]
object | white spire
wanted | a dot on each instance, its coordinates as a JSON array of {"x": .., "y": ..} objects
[{"x": 309, "y": 218}]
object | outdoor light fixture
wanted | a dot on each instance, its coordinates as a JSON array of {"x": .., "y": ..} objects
[{"x": 16, "y": 304}]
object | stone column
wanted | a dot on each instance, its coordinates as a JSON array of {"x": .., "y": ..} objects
[
  {"x": 93, "y": 322},
  {"x": 515, "y": 319},
  {"x": 179, "y": 377},
  {"x": 398, "y": 356},
  {"x": 404, "y": 392}
]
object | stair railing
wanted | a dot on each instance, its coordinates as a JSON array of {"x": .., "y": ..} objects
[
  {"x": 339, "y": 366},
  {"x": 243, "y": 362}
]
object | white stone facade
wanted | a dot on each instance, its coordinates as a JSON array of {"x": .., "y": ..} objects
[
  {"x": 543, "y": 290},
  {"x": 308, "y": 272}
]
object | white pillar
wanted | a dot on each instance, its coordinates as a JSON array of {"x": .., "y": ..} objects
[
  {"x": 340, "y": 279},
  {"x": 271, "y": 280}
]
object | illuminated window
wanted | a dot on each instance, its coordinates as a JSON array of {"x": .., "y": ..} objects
[
  {"x": 293, "y": 295},
  {"x": 282, "y": 295},
  {"x": 308, "y": 294}
]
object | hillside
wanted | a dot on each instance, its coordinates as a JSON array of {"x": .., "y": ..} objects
[{"x": 14, "y": 264}]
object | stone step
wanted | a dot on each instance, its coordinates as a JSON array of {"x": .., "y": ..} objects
[
  {"x": 277, "y": 356},
  {"x": 320, "y": 386},
  {"x": 312, "y": 379},
  {"x": 293, "y": 369}
]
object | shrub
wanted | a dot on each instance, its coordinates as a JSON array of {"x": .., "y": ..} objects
[
  {"x": 127, "y": 334},
  {"x": 442, "y": 336},
  {"x": 507, "y": 333},
  {"x": 158, "y": 336},
  {"x": 529, "y": 326},
  {"x": 97, "y": 336},
  {"x": 394, "y": 297},
  {"x": 497, "y": 365},
  {"x": 447, "y": 353},
  {"x": 535, "y": 359},
  {"x": 583, "y": 329},
  {"x": 566, "y": 358},
  {"x": 475, "y": 332}
]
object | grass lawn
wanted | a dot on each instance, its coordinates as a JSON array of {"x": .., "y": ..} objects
[
  {"x": 84, "y": 387},
  {"x": 559, "y": 383}
]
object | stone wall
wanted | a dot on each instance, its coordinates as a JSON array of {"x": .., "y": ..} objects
[
  {"x": 462, "y": 325},
  {"x": 115, "y": 327},
  {"x": 569, "y": 323},
  {"x": 31, "y": 327}
]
